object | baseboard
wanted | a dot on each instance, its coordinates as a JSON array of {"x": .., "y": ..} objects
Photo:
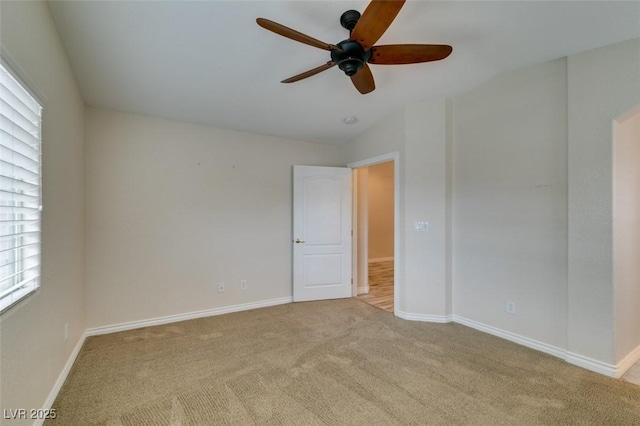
[
  {"x": 62, "y": 377},
  {"x": 380, "y": 259},
  {"x": 592, "y": 364},
  {"x": 513, "y": 337},
  {"x": 572, "y": 358},
  {"x": 422, "y": 317},
  {"x": 627, "y": 362},
  {"x": 363, "y": 290},
  {"x": 95, "y": 331}
]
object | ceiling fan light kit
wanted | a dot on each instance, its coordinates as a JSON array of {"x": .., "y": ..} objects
[{"x": 353, "y": 55}]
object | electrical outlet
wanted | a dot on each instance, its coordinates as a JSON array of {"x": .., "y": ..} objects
[
  {"x": 66, "y": 331},
  {"x": 243, "y": 284},
  {"x": 220, "y": 287},
  {"x": 511, "y": 307}
]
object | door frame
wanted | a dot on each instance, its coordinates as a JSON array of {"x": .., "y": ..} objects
[
  {"x": 358, "y": 222},
  {"x": 395, "y": 157}
]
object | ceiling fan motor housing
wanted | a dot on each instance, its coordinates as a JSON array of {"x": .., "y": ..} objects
[{"x": 351, "y": 58}]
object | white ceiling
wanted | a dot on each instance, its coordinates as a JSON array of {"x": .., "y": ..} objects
[{"x": 208, "y": 62}]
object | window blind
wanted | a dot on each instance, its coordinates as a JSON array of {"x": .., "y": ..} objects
[{"x": 20, "y": 190}]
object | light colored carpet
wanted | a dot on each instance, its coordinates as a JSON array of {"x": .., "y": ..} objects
[{"x": 339, "y": 362}]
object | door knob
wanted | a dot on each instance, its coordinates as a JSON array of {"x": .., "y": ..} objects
[{"x": 298, "y": 241}]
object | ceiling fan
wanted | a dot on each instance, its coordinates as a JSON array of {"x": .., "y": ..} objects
[{"x": 353, "y": 54}]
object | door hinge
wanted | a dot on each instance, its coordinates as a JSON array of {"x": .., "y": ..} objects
[
  {"x": 352, "y": 232},
  {"x": 351, "y": 280}
]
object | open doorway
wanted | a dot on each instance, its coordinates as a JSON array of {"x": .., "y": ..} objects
[{"x": 374, "y": 242}]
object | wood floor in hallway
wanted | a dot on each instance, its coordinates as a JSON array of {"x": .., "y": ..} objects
[
  {"x": 633, "y": 374},
  {"x": 380, "y": 285}
]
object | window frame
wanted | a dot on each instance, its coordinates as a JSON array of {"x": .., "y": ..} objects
[{"x": 20, "y": 274}]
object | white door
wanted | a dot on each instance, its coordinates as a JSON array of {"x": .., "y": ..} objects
[{"x": 321, "y": 233}]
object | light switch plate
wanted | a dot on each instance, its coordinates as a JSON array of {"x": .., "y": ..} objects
[{"x": 421, "y": 226}]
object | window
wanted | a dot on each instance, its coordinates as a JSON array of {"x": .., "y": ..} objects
[{"x": 20, "y": 194}]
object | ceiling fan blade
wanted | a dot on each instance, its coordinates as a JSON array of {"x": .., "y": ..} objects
[
  {"x": 309, "y": 73},
  {"x": 374, "y": 21},
  {"x": 395, "y": 54},
  {"x": 294, "y": 35},
  {"x": 363, "y": 80}
]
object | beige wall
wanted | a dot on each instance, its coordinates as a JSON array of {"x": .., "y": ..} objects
[
  {"x": 510, "y": 203},
  {"x": 603, "y": 84},
  {"x": 426, "y": 199},
  {"x": 175, "y": 208},
  {"x": 626, "y": 232},
  {"x": 380, "y": 209},
  {"x": 533, "y": 202},
  {"x": 32, "y": 347}
]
